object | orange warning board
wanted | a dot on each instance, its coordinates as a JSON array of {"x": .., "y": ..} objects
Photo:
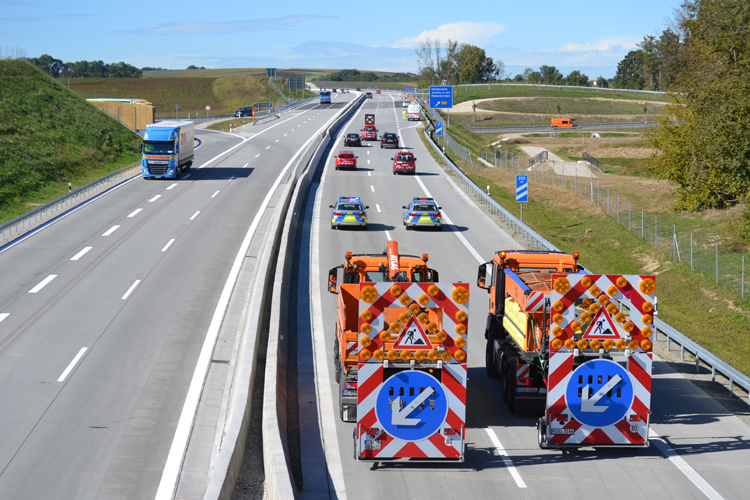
[
  {"x": 413, "y": 337},
  {"x": 601, "y": 327}
]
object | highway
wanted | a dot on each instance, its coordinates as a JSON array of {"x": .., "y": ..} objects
[
  {"x": 698, "y": 449},
  {"x": 103, "y": 315}
]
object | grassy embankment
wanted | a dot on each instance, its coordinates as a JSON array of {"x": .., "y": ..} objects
[
  {"x": 710, "y": 314},
  {"x": 49, "y": 137}
]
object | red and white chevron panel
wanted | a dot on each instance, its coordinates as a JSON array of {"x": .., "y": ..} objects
[
  {"x": 523, "y": 370},
  {"x": 447, "y": 442},
  {"x": 634, "y": 291},
  {"x": 535, "y": 301}
]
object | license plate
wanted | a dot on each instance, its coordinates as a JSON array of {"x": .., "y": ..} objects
[
  {"x": 563, "y": 431},
  {"x": 527, "y": 389},
  {"x": 372, "y": 445}
]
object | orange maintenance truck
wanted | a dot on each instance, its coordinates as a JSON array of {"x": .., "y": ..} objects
[
  {"x": 574, "y": 344},
  {"x": 563, "y": 122}
]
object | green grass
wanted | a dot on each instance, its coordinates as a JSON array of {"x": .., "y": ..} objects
[
  {"x": 569, "y": 106},
  {"x": 567, "y": 135},
  {"x": 465, "y": 93},
  {"x": 513, "y": 120},
  {"x": 49, "y": 137}
]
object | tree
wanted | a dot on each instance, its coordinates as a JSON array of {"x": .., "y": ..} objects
[
  {"x": 576, "y": 78},
  {"x": 51, "y": 66},
  {"x": 550, "y": 75},
  {"x": 602, "y": 82},
  {"x": 630, "y": 71},
  {"x": 518, "y": 78}
]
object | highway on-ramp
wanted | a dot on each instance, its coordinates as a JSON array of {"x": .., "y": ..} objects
[
  {"x": 103, "y": 315},
  {"x": 698, "y": 450}
]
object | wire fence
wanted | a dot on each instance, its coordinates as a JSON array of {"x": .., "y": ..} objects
[
  {"x": 13, "y": 53},
  {"x": 592, "y": 161}
]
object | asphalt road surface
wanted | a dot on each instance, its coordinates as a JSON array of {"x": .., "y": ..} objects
[{"x": 698, "y": 450}]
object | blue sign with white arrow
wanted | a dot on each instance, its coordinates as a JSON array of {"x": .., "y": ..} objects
[
  {"x": 441, "y": 97},
  {"x": 438, "y": 128},
  {"x": 522, "y": 188},
  {"x": 599, "y": 393},
  {"x": 411, "y": 405}
]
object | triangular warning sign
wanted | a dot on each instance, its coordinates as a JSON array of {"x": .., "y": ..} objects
[
  {"x": 413, "y": 337},
  {"x": 601, "y": 327}
]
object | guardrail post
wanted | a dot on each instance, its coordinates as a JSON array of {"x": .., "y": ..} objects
[
  {"x": 656, "y": 232},
  {"x": 629, "y": 216},
  {"x": 742, "y": 286},
  {"x": 682, "y": 353},
  {"x": 717, "y": 261},
  {"x": 691, "y": 251},
  {"x": 642, "y": 224}
]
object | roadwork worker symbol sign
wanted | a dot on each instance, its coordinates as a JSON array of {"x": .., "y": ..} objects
[
  {"x": 601, "y": 327},
  {"x": 413, "y": 337}
]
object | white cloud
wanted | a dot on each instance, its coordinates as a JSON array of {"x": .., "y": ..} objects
[
  {"x": 223, "y": 27},
  {"x": 620, "y": 42},
  {"x": 462, "y": 31}
]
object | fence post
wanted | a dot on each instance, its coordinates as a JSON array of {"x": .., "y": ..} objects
[
  {"x": 656, "y": 232},
  {"x": 674, "y": 240},
  {"x": 618, "y": 208},
  {"x": 575, "y": 185},
  {"x": 717, "y": 261},
  {"x": 742, "y": 287},
  {"x": 628, "y": 215},
  {"x": 607, "y": 201},
  {"x": 641, "y": 223},
  {"x": 691, "y": 250}
]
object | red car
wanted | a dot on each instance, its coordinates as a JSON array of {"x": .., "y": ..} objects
[
  {"x": 404, "y": 163},
  {"x": 377, "y": 91},
  {"x": 369, "y": 133},
  {"x": 346, "y": 160}
]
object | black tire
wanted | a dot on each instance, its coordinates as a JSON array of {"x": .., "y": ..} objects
[
  {"x": 541, "y": 434},
  {"x": 337, "y": 359},
  {"x": 333, "y": 227},
  {"x": 337, "y": 167},
  {"x": 489, "y": 361}
]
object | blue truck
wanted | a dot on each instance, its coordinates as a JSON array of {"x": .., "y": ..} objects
[
  {"x": 168, "y": 149},
  {"x": 325, "y": 97}
]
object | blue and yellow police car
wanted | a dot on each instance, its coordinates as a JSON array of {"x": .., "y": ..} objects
[
  {"x": 348, "y": 211},
  {"x": 423, "y": 212}
]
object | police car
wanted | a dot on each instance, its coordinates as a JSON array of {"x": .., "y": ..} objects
[
  {"x": 423, "y": 212},
  {"x": 348, "y": 211}
]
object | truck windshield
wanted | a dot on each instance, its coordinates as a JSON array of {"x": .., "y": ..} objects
[{"x": 158, "y": 148}]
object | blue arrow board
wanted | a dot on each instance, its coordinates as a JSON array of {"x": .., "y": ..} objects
[
  {"x": 599, "y": 393},
  {"x": 411, "y": 405},
  {"x": 522, "y": 188},
  {"x": 441, "y": 97},
  {"x": 438, "y": 128}
]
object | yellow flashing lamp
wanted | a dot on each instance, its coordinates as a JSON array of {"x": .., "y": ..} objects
[
  {"x": 595, "y": 291},
  {"x": 366, "y": 315},
  {"x": 460, "y": 355},
  {"x": 586, "y": 303},
  {"x": 622, "y": 282},
  {"x": 379, "y": 355},
  {"x": 423, "y": 299},
  {"x": 395, "y": 327},
  {"x": 575, "y": 325},
  {"x": 620, "y": 317},
  {"x": 396, "y": 290},
  {"x": 414, "y": 309},
  {"x": 441, "y": 336},
  {"x": 432, "y": 355},
  {"x": 432, "y": 327},
  {"x": 647, "y": 319},
  {"x": 419, "y": 355},
  {"x": 405, "y": 355},
  {"x": 608, "y": 344},
  {"x": 612, "y": 308},
  {"x": 594, "y": 308},
  {"x": 595, "y": 344},
  {"x": 365, "y": 354},
  {"x": 369, "y": 294},
  {"x": 423, "y": 318},
  {"x": 585, "y": 317},
  {"x": 558, "y": 306},
  {"x": 612, "y": 290},
  {"x": 556, "y": 344},
  {"x": 628, "y": 326},
  {"x": 646, "y": 331},
  {"x": 392, "y": 355},
  {"x": 582, "y": 344},
  {"x": 603, "y": 300},
  {"x": 433, "y": 290},
  {"x": 586, "y": 281},
  {"x": 557, "y": 331},
  {"x": 365, "y": 341},
  {"x": 460, "y": 329},
  {"x": 366, "y": 328},
  {"x": 561, "y": 285},
  {"x": 648, "y": 307},
  {"x": 503, "y": 255},
  {"x": 461, "y": 316},
  {"x": 385, "y": 335},
  {"x": 633, "y": 345},
  {"x": 645, "y": 344},
  {"x": 648, "y": 286},
  {"x": 557, "y": 318},
  {"x": 404, "y": 318},
  {"x": 446, "y": 355},
  {"x": 460, "y": 342},
  {"x": 570, "y": 344},
  {"x": 460, "y": 295},
  {"x": 404, "y": 299},
  {"x": 620, "y": 344}
]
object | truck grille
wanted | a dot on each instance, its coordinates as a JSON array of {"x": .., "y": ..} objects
[{"x": 157, "y": 169}]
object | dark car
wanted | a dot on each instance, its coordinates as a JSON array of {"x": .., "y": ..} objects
[
  {"x": 244, "y": 112},
  {"x": 368, "y": 95},
  {"x": 358, "y": 89},
  {"x": 389, "y": 140},
  {"x": 352, "y": 140}
]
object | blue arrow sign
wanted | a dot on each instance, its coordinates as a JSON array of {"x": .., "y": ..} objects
[
  {"x": 441, "y": 97},
  {"x": 599, "y": 393},
  {"x": 411, "y": 405},
  {"x": 522, "y": 188},
  {"x": 438, "y": 128}
]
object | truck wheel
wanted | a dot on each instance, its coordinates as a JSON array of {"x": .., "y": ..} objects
[
  {"x": 188, "y": 166},
  {"x": 541, "y": 434},
  {"x": 489, "y": 360},
  {"x": 337, "y": 360}
]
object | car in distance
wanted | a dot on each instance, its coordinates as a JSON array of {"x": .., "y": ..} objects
[
  {"x": 369, "y": 133},
  {"x": 423, "y": 212},
  {"x": 389, "y": 140},
  {"x": 241, "y": 112},
  {"x": 377, "y": 91},
  {"x": 404, "y": 163},
  {"x": 346, "y": 161},
  {"x": 405, "y": 104},
  {"x": 368, "y": 95},
  {"x": 352, "y": 140},
  {"x": 348, "y": 211}
]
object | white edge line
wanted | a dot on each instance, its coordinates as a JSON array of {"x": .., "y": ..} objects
[
  {"x": 43, "y": 283},
  {"x": 378, "y": 207},
  {"x": 388, "y": 235},
  {"x": 130, "y": 290},
  {"x": 372, "y": 188},
  {"x": 135, "y": 212},
  {"x": 214, "y": 195},
  {"x": 173, "y": 464},
  {"x": 506, "y": 459},
  {"x": 195, "y": 215},
  {"x": 72, "y": 364},
  {"x": 154, "y": 198},
  {"x": 81, "y": 253},
  {"x": 171, "y": 186},
  {"x": 111, "y": 230},
  {"x": 167, "y": 245},
  {"x": 684, "y": 467},
  {"x": 3, "y": 316}
]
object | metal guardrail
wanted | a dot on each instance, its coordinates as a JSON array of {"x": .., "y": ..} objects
[
  {"x": 592, "y": 161},
  {"x": 59, "y": 205},
  {"x": 544, "y": 155},
  {"x": 545, "y": 128},
  {"x": 537, "y": 241}
]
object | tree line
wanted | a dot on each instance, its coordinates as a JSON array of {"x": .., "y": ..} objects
[
  {"x": 653, "y": 66},
  {"x": 456, "y": 62},
  {"x": 353, "y": 75},
  {"x": 84, "y": 69}
]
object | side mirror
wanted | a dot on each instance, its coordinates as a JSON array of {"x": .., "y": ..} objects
[
  {"x": 366, "y": 207},
  {"x": 391, "y": 159},
  {"x": 434, "y": 277},
  {"x": 403, "y": 207},
  {"x": 332, "y": 280},
  {"x": 141, "y": 148},
  {"x": 415, "y": 158},
  {"x": 482, "y": 276},
  {"x": 440, "y": 208},
  {"x": 330, "y": 206}
]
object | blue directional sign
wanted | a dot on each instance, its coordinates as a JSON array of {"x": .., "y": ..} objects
[
  {"x": 599, "y": 393},
  {"x": 438, "y": 128},
  {"x": 411, "y": 405},
  {"x": 441, "y": 97},
  {"x": 522, "y": 188}
]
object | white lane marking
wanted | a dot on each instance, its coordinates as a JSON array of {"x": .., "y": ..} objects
[
  {"x": 188, "y": 175},
  {"x": 684, "y": 467},
  {"x": 72, "y": 364},
  {"x": 453, "y": 228},
  {"x": 214, "y": 195},
  {"x": 378, "y": 207},
  {"x": 43, "y": 283},
  {"x": 3, "y": 316},
  {"x": 173, "y": 185},
  {"x": 388, "y": 235},
  {"x": 257, "y": 155},
  {"x": 286, "y": 135},
  {"x": 110, "y": 230},
  {"x": 231, "y": 178},
  {"x": 81, "y": 253},
  {"x": 195, "y": 215},
  {"x": 167, "y": 245},
  {"x": 245, "y": 165},
  {"x": 130, "y": 290},
  {"x": 372, "y": 188},
  {"x": 368, "y": 162},
  {"x": 154, "y": 198},
  {"x": 368, "y": 174},
  {"x": 368, "y": 154},
  {"x": 277, "y": 140},
  {"x": 135, "y": 212},
  {"x": 178, "y": 448},
  {"x": 506, "y": 459},
  {"x": 268, "y": 147}
]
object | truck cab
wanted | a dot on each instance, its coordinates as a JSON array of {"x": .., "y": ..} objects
[{"x": 168, "y": 149}]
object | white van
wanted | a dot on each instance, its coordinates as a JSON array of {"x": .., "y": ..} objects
[{"x": 413, "y": 112}]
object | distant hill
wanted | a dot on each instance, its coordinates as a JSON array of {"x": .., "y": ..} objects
[{"x": 49, "y": 136}]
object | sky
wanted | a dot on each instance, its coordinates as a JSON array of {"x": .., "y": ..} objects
[{"x": 589, "y": 36}]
